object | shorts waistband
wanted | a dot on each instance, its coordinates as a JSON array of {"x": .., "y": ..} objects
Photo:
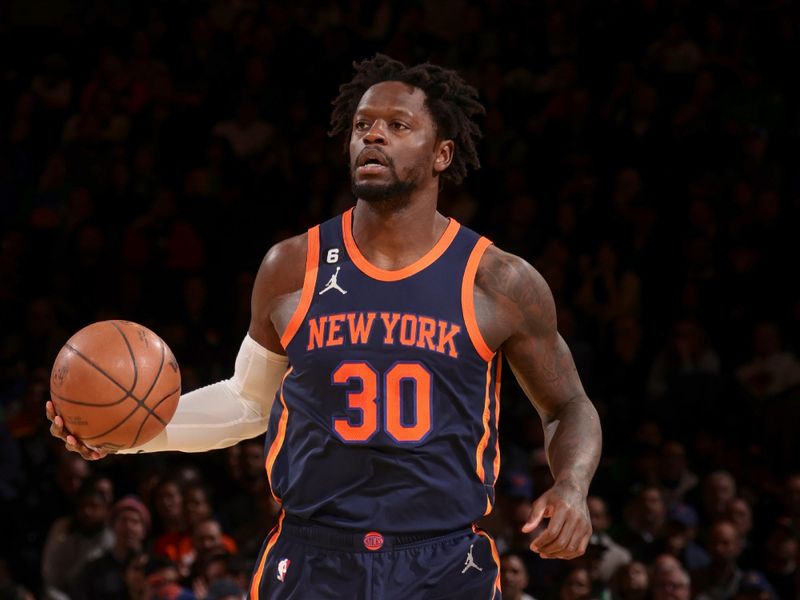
[{"x": 360, "y": 541}]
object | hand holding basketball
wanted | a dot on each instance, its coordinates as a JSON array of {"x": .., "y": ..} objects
[{"x": 114, "y": 385}]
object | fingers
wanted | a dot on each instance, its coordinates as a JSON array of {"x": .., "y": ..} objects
[
  {"x": 539, "y": 510},
  {"x": 567, "y": 534},
  {"x": 57, "y": 428},
  {"x": 567, "y": 539},
  {"x": 50, "y": 410},
  {"x": 544, "y": 542},
  {"x": 73, "y": 444}
]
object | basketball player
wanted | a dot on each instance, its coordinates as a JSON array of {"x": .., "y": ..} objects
[{"x": 373, "y": 362}]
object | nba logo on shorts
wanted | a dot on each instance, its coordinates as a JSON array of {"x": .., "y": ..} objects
[
  {"x": 373, "y": 541},
  {"x": 283, "y": 566}
]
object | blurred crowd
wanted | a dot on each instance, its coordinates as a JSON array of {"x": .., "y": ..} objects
[{"x": 640, "y": 153}]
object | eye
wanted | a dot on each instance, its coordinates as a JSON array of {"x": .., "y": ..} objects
[
  {"x": 361, "y": 126},
  {"x": 398, "y": 125}
]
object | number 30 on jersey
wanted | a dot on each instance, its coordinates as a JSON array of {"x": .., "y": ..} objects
[{"x": 400, "y": 427}]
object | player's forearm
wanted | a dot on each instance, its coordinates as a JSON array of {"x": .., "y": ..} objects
[
  {"x": 573, "y": 440},
  {"x": 209, "y": 418},
  {"x": 226, "y": 412}
]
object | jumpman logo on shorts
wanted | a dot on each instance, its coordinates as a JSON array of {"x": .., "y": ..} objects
[
  {"x": 470, "y": 562},
  {"x": 332, "y": 285}
]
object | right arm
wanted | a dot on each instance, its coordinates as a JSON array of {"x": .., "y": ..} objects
[{"x": 228, "y": 411}]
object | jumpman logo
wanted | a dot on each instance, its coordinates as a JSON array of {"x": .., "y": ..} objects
[
  {"x": 332, "y": 285},
  {"x": 470, "y": 562}
]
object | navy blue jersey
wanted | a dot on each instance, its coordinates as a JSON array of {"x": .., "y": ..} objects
[{"x": 387, "y": 416}]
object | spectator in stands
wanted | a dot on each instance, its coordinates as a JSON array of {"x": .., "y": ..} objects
[
  {"x": 779, "y": 562},
  {"x": 514, "y": 577},
  {"x": 104, "y": 577},
  {"x": 611, "y": 555},
  {"x": 688, "y": 353},
  {"x": 673, "y": 471},
  {"x": 74, "y": 541},
  {"x": 162, "y": 581},
  {"x": 167, "y": 501},
  {"x": 664, "y": 562},
  {"x": 721, "y": 577},
  {"x": 679, "y": 537},
  {"x": 197, "y": 510},
  {"x": 717, "y": 490},
  {"x": 740, "y": 513},
  {"x": 576, "y": 584},
  {"x": 208, "y": 540},
  {"x": 609, "y": 290},
  {"x": 755, "y": 586},
  {"x": 772, "y": 369},
  {"x": 630, "y": 582},
  {"x": 644, "y": 524},
  {"x": 673, "y": 584}
]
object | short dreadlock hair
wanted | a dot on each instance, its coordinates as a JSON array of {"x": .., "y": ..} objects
[{"x": 450, "y": 100}]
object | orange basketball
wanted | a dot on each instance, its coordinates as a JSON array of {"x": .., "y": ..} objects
[{"x": 116, "y": 384}]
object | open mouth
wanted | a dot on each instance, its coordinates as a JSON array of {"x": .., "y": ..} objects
[{"x": 371, "y": 160}]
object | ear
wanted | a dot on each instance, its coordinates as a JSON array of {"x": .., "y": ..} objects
[{"x": 444, "y": 155}]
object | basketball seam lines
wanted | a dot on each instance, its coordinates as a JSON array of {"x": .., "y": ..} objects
[
  {"x": 123, "y": 421},
  {"x": 128, "y": 393},
  {"x": 141, "y": 403}
]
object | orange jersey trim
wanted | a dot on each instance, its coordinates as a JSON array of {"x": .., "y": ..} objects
[
  {"x": 277, "y": 443},
  {"x": 254, "y": 585},
  {"x": 309, "y": 282},
  {"x": 484, "y": 442},
  {"x": 497, "y": 414},
  {"x": 495, "y": 557},
  {"x": 418, "y": 265},
  {"x": 468, "y": 300}
]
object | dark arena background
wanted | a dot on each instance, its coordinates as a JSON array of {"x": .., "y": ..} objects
[{"x": 641, "y": 154}]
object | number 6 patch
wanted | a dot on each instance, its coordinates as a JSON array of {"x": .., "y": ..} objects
[{"x": 333, "y": 256}]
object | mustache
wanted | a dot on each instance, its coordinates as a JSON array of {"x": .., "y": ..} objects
[{"x": 386, "y": 158}]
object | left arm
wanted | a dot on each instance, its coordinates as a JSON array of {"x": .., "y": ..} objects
[{"x": 520, "y": 316}]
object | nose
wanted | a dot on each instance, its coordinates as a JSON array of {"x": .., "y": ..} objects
[{"x": 376, "y": 134}]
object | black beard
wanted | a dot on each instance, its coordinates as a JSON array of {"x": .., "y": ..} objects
[
  {"x": 394, "y": 192},
  {"x": 392, "y": 195}
]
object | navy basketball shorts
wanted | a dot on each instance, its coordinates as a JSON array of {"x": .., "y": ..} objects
[{"x": 305, "y": 561}]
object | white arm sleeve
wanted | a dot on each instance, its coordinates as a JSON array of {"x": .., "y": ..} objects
[{"x": 226, "y": 412}]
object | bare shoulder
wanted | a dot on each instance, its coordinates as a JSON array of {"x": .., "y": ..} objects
[
  {"x": 283, "y": 267},
  {"x": 513, "y": 295},
  {"x": 277, "y": 289}
]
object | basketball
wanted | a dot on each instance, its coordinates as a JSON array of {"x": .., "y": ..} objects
[{"x": 116, "y": 384}]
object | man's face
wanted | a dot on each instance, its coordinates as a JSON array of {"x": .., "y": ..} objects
[
  {"x": 514, "y": 575},
  {"x": 195, "y": 505},
  {"x": 169, "y": 501},
  {"x": 393, "y": 145},
  {"x": 672, "y": 585},
  {"x": 723, "y": 544},
  {"x": 719, "y": 489},
  {"x": 652, "y": 504},
  {"x": 129, "y": 529},
  {"x": 207, "y": 537},
  {"x": 92, "y": 513}
]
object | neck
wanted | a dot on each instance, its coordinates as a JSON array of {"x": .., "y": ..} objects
[{"x": 392, "y": 238}]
